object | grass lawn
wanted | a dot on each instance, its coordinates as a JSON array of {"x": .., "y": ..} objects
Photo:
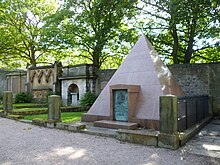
[
  {"x": 66, "y": 117},
  {"x": 17, "y": 105},
  {"x": 28, "y": 109}
]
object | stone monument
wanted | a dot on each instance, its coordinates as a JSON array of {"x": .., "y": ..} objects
[
  {"x": 54, "y": 109},
  {"x": 144, "y": 70},
  {"x": 7, "y": 102}
]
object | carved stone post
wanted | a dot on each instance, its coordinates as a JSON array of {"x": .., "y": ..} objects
[
  {"x": 7, "y": 102},
  {"x": 54, "y": 109},
  {"x": 168, "y": 137}
]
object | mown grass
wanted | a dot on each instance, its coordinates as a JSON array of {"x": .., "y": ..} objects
[
  {"x": 66, "y": 117},
  {"x": 29, "y": 109},
  {"x": 21, "y": 105}
]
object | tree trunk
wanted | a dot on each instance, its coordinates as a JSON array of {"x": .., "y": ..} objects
[
  {"x": 96, "y": 60},
  {"x": 174, "y": 53},
  {"x": 189, "y": 49},
  {"x": 32, "y": 57}
]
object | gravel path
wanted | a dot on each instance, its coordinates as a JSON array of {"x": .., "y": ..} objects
[{"x": 23, "y": 144}]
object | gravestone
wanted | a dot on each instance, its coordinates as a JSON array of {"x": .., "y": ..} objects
[
  {"x": 7, "y": 102},
  {"x": 54, "y": 109}
]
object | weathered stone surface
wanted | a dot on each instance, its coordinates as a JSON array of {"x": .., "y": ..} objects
[
  {"x": 200, "y": 79},
  {"x": 170, "y": 141},
  {"x": 39, "y": 122},
  {"x": 168, "y": 114},
  {"x": 54, "y": 108},
  {"x": 115, "y": 124},
  {"x": 51, "y": 125},
  {"x": 63, "y": 126},
  {"x": 76, "y": 127},
  {"x": 138, "y": 137},
  {"x": 168, "y": 137},
  {"x": 59, "y": 125},
  {"x": 7, "y": 102},
  {"x": 3, "y": 82}
]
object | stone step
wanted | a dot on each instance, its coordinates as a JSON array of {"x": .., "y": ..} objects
[
  {"x": 115, "y": 124},
  {"x": 99, "y": 131}
]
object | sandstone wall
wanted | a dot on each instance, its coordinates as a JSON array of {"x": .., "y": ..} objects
[{"x": 200, "y": 79}]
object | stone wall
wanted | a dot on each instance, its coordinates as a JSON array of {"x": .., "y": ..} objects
[
  {"x": 12, "y": 81},
  {"x": 105, "y": 76},
  {"x": 214, "y": 86},
  {"x": 192, "y": 78},
  {"x": 3, "y": 82},
  {"x": 200, "y": 79},
  {"x": 16, "y": 82}
]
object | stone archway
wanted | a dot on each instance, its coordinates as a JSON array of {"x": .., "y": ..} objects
[{"x": 73, "y": 94}]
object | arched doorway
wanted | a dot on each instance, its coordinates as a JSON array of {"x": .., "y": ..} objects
[{"x": 73, "y": 94}]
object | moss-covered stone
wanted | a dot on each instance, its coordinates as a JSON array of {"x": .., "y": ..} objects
[
  {"x": 138, "y": 137},
  {"x": 170, "y": 141},
  {"x": 15, "y": 117}
]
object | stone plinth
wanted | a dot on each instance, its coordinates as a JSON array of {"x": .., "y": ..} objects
[
  {"x": 146, "y": 137},
  {"x": 115, "y": 124},
  {"x": 54, "y": 108},
  {"x": 7, "y": 102},
  {"x": 168, "y": 137}
]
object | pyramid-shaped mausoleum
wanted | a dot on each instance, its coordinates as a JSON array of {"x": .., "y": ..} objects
[{"x": 146, "y": 78}]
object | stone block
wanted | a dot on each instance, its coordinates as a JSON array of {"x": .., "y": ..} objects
[
  {"x": 7, "y": 102},
  {"x": 62, "y": 126},
  {"x": 59, "y": 125},
  {"x": 51, "y": 125},
  {"x": 39, "y": 122},
  {"x": 76, "y": 127},
  {"x": 168, "y": 114},
  {"x": 170, "y": 141},
  {"x": 137, "y": 137},
  {"x": 54, "y": 108},
  {"x": 115, "y": 124}
]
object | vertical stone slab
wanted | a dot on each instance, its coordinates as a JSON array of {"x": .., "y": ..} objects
[
  {"x": 168, "y": 137},
  {"x": 7, "y": 102},
  {"x": 54, "y": 109}
]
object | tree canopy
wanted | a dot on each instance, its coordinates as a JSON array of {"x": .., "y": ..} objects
[
  {"x": 95, "y": 28},
  {"x": 101, "y": 32},
  {"x": 21, "y": 30},
  {"x": 183, "y": 31}
]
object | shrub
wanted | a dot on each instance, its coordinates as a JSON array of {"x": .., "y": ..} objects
[
  {"x": 23, "y": 98},
  {"x": 88, "y": 99}
]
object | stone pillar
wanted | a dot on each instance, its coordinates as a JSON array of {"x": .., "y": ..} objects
[
  {"x": 54, "y": 109},
  {"x": 7, "y": 102},
  {"x": 168, "y": 137}
]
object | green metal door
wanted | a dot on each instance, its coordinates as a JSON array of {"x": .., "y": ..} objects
[{"x": 120, "y": 105}]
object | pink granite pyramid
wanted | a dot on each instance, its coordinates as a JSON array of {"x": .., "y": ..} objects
[{"x": 143, "y": 67}]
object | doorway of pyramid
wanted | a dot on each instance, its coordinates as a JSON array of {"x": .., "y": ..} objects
[{"x": 120, "y": 98}]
